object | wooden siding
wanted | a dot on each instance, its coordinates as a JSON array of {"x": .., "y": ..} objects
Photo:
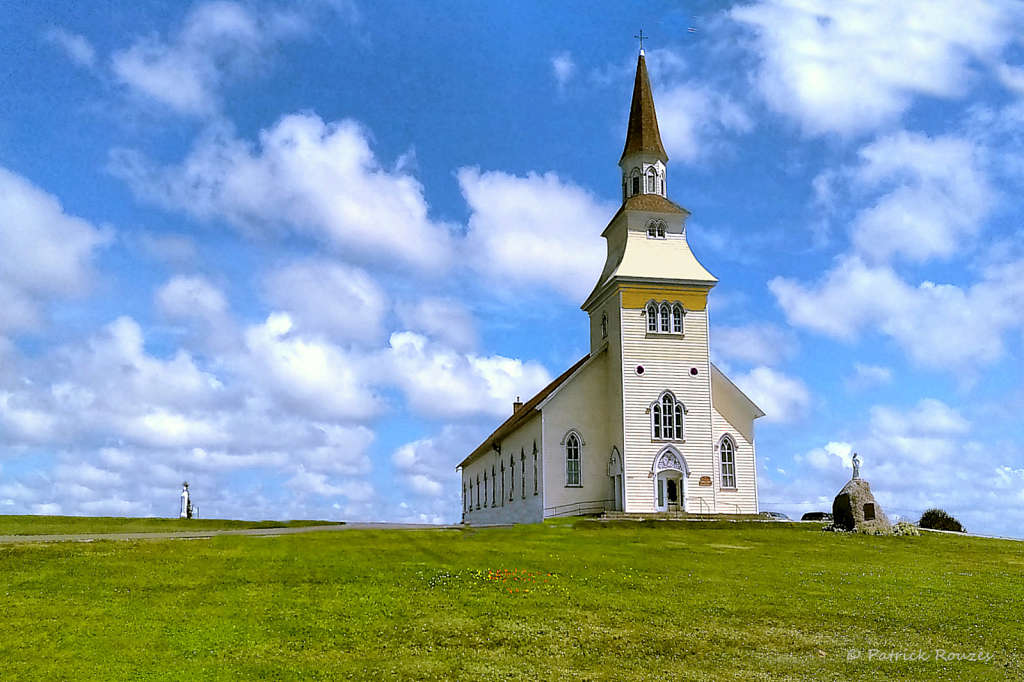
[
  {"x": 579, "y": 404},
  {"x": 667, "y": 359},
  {"x": 516, "y": 510},
  {"x": 743, "y": 500}
]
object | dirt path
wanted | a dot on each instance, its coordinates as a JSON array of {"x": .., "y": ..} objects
[{"x": 204, "y": 534}]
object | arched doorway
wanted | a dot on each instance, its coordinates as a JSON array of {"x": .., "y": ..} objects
[
  {"x": 615, "y": 474},
  {"x": 670, "y": 475}
]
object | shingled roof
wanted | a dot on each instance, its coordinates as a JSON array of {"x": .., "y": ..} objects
[
  {"x": 642, "y": 132},
  {"x": 654, "y": 203},
  {"x": 520, "y": 416}
]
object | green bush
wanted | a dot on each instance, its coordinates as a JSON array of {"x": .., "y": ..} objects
[
  {"x": 937, "y": 519},
  {"x": 905, "y": 528}
]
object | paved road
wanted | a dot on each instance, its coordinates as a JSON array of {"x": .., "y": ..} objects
[{"x": 203, "y": 534}]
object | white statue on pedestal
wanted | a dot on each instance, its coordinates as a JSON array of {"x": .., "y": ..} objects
[{"x": 856, "y": 466}]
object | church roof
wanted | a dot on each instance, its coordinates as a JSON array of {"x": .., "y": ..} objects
[
  {"x": 642, "y": 132},
  {"x": 654, "y": 203},
  {"x": 524, "y": 413}
]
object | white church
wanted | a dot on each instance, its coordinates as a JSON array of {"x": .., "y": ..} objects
[{"x": 644, "y": 423}]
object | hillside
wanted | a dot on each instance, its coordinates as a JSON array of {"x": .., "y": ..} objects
[{"x": 679, "y": 601}]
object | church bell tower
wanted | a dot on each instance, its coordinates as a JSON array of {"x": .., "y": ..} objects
[{"x": 649, "y": 311}]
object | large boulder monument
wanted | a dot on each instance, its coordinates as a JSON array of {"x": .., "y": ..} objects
[{"x": 855, "y": 507}]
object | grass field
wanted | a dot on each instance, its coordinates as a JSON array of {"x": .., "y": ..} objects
[
  {"x": 58, "y": 525},
  {"x": 562, "y": 601}
]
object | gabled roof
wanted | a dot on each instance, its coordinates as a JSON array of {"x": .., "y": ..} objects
[
  {"x": 642, "y": 133},
  {"x": 523, "y": 414},
  {"x": 735, "y": 390}
]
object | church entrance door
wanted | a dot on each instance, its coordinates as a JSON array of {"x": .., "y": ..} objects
[{"x": 669, "y": 491}]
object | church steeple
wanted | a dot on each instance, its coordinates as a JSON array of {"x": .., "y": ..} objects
[
  {"x": 643, "y": 160},
  {"x": 642, "y": 133}
]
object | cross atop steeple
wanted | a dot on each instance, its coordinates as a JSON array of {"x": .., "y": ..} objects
[{"x": 642, "y": 38}]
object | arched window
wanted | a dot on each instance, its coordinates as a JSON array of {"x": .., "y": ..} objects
[
  {"x": 471, "y": 494},
  {"x": 677, "y": 319},
  {"x": 463, "y": 496},
  {"x": 636, "y": 182},
  {"x": 663, "y": 317},
  {"x": 727, "y": 450},
  {"x": 503, "y": 484},
  {"x": 478, "y": 491},
  {"x": 668, "y": 411},
  {"x": 667, "y": 418},
  {"x": 512, "y": 477},
  {"x": 652, "y": 317},
  {"x": 572, "y": 460},
  {"x": 650, "y": 181},
  {"x": 534, "y": 467},
  {"x": 494, "y": 486},
  {"x": 662, "y": 180},
  {"x": 604, "y": 325},
  {"x": 485, "y": 488},
  {"x": 522, "y": 476},
  {"x": 652, "y": 230},
  {"x": 661, "y": 230}
]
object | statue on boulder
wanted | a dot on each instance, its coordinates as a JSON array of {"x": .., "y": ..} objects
[{"x": 855, "y": 507}]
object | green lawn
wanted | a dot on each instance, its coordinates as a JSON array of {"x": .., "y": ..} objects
[
  {"x": 673, "y": 601},
  {"x": 57, "y": 525}
]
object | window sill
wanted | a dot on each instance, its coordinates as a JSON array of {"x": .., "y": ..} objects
[
  {"x": 728, "y": 490},
  {"x": 667, "y": 440},
  {"x": 665, "y": 335},
  {"x": 573, "y": 485}
]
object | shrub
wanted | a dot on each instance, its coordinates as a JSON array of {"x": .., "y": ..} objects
[
  {"x": 905, "y": 528},
  {"x": 937, "y": 519}
]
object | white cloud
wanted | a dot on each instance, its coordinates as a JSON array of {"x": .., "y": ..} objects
[
  {"x": 43, "y": 251},
  {"x": 330, "y": 298},
  {"x": 531, "y": 231},
  {"x": 191, "y": 296},
  {"x": 563, "y": 67},
  {"x": 942, "y": 197},
  {"x": 938, "y": 325},
  {"x": 834, "y": 457},
  {"x": 442, "y": 319},
  {"x": 849, "y": 67},
  {"x": 868, "y": 376},
  {"x": 218, "y": 40},
  {"x": 443, "y": 383},
  {"x": 693, "y": 116},
  {"x": 316, "y": 178},
  {"x": 77, "y": 47},
  {"x": 309, "y": 483},
  {"x": 758, "y": 343},
  {"x": 929, "y": 418},
  {"x": 308, "y": 375},
  {"x": 783, "y": 398},
  {"x": 427, "y": 465}
]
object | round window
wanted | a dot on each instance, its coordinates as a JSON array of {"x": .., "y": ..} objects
[
  {"x": 640, "y": 370},
  {"x": 693, "y": 371}
]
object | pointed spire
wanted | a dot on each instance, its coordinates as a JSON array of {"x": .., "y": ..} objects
[{"x": 642, "y": 132}]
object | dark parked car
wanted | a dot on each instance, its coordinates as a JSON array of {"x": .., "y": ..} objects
[
  {"x": 775, "y": 516},
  {"x": 816, "y": 516}
]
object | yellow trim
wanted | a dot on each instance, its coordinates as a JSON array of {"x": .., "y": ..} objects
[{"x": 692, "y": 298}]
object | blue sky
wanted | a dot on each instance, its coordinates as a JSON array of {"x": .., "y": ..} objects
[{"x": 306, "y": 254}]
